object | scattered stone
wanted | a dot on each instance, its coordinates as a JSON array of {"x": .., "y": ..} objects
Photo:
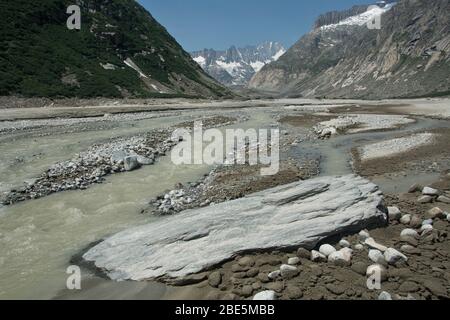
[
  {"x": 293, "y": 261},
  {"x": 426, "y": 227},
  {"x": 427, "y": 222},
  {"x": 247, "y": 291},
  {"x": 215, "y": 279},
  {"x": 288, "y": 272},
  {"x": 316, "y": 256},
  {"x": 377, "y": 256},
  {"x": 274, "y": 274},
  {"x": 264, "y": 278},
  {"x": 265, "y": 295},
  {"x": 344, "y": 243},
  {"x": 393, "y": 256},
  {"x": 416, "y": 221},
  {"x": 363, "y": 235},
  {"x": 409, "y": 233},
  {"x": 406, "y": 219},
  {"x": 410, "y": 249},
  {"x": 335, "y": 288},
  {"x": 427, "y": 191},
  {"x": 131, "y": 163},
  {"x": 394, "y": 213},
  {"x": 359, "y": 247},
  {"x": 246, "y": 262},
  {"x": 326, "y": 249},
  {"x": 385, "y": 296},
  {"x": 341, "y": 258},
  {"x": 415, "y": 188},
  {"x": 252, "y": 272},
  {"x": 359, "y": 267},
  {"x": 371, "y": 243},
  {"x": 436, "y": 213},
  {"x": 425, "y": 199},
  {"x": 293, "y": 292},
  {"x": 303, "y": 253},
  {"x": 443, "y": 199}
]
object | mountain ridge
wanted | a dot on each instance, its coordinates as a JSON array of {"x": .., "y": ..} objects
[
  {"x": 407, "y": 57},
  {"x": 120, "y": 51},
  {"x": 236, "y": 66}
]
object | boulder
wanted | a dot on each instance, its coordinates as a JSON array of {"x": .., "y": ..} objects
[
  {"x": 394, "y": 213},
  {"x": 371, "y": 243},
  {"x": 385, "y": 296},
  {"x": 436, "y": 213},
  {"x": 341, "y": 258},
  {"x": 131, "y": 163},
  {"x": 363, "y": 235},
  {"x": 288, "y": 272},
  {"x": 406, "y": 219},
  {"x": 293, "y": 261},
  {"x": 344, "y": 243},
  {"x": 300, "y": 214},
  {"x": 316, "y": 256},
  {"x": 425, "y": 199},
  {"x": 409, "y": 233},
  {"x": 265, "y": 295},
  {"x": 326, "y": 249},
  {"x": 393, "y": 256},
  {"x": 427, "y": 191},
  {"x": 377, "y": 256},
  {"x": 443, "y": 199}
]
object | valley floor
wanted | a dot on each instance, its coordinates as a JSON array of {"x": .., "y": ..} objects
[{"x": 42, "y": 232}]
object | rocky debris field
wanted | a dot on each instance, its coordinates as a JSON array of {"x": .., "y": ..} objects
[
  {"x": 115, "y": 156},
  {"x": 430, "y": 156},
  {"x": 304, "y": 213},
  {"x": 354, "y": 123},
  {"x": 392, "y": 147},
  {"x": 411, "y": 255}
]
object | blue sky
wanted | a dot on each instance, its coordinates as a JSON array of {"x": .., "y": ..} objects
[{"x": 217, "y": 24}]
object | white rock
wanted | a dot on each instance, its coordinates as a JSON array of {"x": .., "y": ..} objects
[
  {"x": 393, "y": 256},
  {"x": 326, "y": 249},
  {"x": 409, "y": 233},
  {"x": 274, "y": 274},
  {"x": 344, "y": 243},
  {"x": 293, "y": 261},
  {"x": 406, "y": 219},
  {"x": 436, "y": 212},
  {"x": 265, "y": 295},
  {"x": 427, "y": 191},
  {"x": 371, "y": 243},
  {"x": 443, "y": 199},
  {"x": 341, "y": 257},
  {"x": 300, "y": 214},
  {"x": 144, "y": 160},
  {"x": 363, "y": 235},
  {"x": 359, "y": 247},
  {"x": 428, "y": 221},
  {"x": 385, "y": 296},
  {"x": 316, "y": 256},
  {"x": 425, "y": 199},
  {"x": 394, "y": 213},
  {"x": 376, "y": 256},
  {"x": 288, "y": 271},
  {"x": 426, "y": 227}
]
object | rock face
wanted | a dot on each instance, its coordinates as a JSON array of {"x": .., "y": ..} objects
[
  {"x": 299, "y": 214},
  {"x": 342, "y": 57}
]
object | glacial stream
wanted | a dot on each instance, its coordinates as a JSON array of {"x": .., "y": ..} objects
[{"x": 38, "y": 237}]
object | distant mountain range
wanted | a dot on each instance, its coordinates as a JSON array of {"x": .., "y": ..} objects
[
  {"x": 120, "y": 51},
  {"x": 343, "y": 58},
  {"x": 236, "y": 66}
]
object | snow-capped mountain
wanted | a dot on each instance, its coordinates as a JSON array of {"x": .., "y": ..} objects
[
  {"x": 341, "y": 57},
  {"x": 236, "y": 66}
]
